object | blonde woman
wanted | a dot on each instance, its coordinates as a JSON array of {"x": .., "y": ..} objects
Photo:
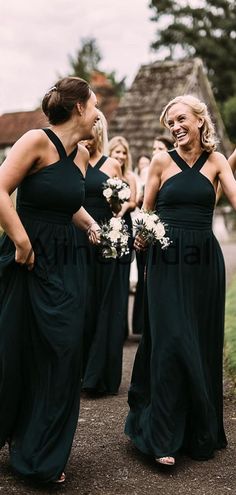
[
  {"x": 118, "y": 149},
  {"x": 175, "y": 398},
  {"x": 105, "y": 302}
]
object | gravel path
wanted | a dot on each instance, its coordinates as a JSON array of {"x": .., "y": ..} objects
[{"x": 104, "y": 462}]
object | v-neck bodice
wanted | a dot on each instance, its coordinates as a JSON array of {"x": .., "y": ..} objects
[
  {"x": 183, "y": 165},
  {"x": 58, "y": 187},
  {"x": 95, "y": 202},
  {"x": 187, "y": 198}
]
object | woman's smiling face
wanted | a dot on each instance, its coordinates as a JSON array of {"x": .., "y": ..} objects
[
  {"x": 120, "y": 153},
  {"x": 183, "y": 124}
]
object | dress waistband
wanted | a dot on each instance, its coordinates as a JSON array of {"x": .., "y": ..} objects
[
  {"x": 187, "y": 224},
  {"x": 194, "y": 218},
  {"x": 47, "y": 216}
]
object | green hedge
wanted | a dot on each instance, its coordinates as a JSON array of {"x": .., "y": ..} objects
[{"x": 230, "y": 330}]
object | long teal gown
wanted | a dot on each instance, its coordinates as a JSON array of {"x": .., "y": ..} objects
[
  {"x": 175, "y": 396},
  {"x": 41, "y": 323},
  {"x": 105, "y": 302}
]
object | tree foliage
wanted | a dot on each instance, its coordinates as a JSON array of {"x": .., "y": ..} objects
[
  {"x": 204, "y": 28},
  {"x": 229, "y": 115},
  {"x": 87, "y": 60}
]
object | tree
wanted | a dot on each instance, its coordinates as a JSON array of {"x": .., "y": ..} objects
[
  {"x": 87, "y": 60},
  {"x": 207, "y": 31},
  {"x": 229, "y": 115}
]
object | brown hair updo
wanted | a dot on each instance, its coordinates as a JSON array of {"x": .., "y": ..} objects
[{"x": 59, "y": 102}]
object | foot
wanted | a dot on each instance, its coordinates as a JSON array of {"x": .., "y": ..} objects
[
  {"x": 61, "y": 479},
  {"x": 167, "y": 461}
]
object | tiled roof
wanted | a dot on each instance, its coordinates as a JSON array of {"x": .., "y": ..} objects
[
  {"x": 14, "y": 125},
  {"x": 137, "y": 116}
]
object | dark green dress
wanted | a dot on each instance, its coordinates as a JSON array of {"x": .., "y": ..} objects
[
  {"x": 138, "y": 309},
  {"x": 175, "y": 395},
  {"x": 41, "y": 323},
  {"x": 105, "y": 303}
]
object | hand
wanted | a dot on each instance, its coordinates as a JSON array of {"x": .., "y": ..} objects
[
  {"x": 139, "y": 243},
  {"x": 93, "y": 233},
  {"x": 24, "y": 255}
]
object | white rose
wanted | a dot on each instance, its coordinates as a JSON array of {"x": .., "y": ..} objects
[
  {"x": 124, "y": 193},
  {"x": 124, "y": 239},
  {"x": 138, "y": 217},
  {"x": 116, "y": 223},
  {"x": 107, "y": 193},
  {"x": 155, "y": 217},
  {"x": 118, "y": 183},
  {"x": 111, "y": 182},
  {"x": 159, "y": 230},
  {"x": 150, "y": 224},
  {"x": 114, "y": 235}
]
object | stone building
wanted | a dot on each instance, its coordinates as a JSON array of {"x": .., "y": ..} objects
[{"x": 137, "y": 116}]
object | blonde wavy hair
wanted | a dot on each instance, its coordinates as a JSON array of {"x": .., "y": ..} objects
[
  {"x": 100, "y": 134},
  {"x": 120, "y": 140},
  {"x": 199, "y": 109}
]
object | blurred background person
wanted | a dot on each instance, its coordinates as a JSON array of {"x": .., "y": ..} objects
[
  {"x": 162, "y": 143},
  {"x": 141, "y": 172},
  {"x": 105, "y": 301},
  {"x": 118, "y": 149}
]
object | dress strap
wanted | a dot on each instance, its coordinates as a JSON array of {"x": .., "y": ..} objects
[
  {"x": 57, "y": 142},
  {"x": 100, "y": 161},
  {"x": 74, "y": 153},
  {"x": 178, "y": 160},
  {"x": 201, "y": 160},
  {"x": 183, "y": 164}
]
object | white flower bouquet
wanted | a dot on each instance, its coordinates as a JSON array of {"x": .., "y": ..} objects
[
  {"x": 147, "y": 224},
  {"x": 116, "y": 193},
  {"x": 114, "y": 237}
]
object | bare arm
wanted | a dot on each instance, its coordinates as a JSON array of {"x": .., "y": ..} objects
[
  {"x": 153, "y": 183},
  {"x": 227, "y": 180},
  {"x": 81, "y": 218},
  {"x": 116, "y": 168},
  {"x": 151, "y": 189},
  {"x": 16, "y": 166},
  {"x": 131, "y": 204},
  {"x": 232, "y": 162}
]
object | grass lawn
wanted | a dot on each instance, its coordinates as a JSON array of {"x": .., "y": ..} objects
[{"x": 230, "y": 330}]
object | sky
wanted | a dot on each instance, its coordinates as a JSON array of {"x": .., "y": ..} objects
[{"x": 36, "y": 38}]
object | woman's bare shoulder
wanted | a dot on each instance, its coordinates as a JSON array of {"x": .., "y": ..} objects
[
  {"x": 160, "y": 161},
  {"x": 115, "y": 165},
  {"x": 34, "y": 137},
  {"x": 83, "y": 152}
]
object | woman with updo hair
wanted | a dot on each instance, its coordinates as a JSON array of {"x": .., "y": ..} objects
[
  {"x": 42, "y": 283},
  {"x": 175, "y": 397}
]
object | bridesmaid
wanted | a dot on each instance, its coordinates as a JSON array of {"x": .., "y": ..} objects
[
  {"x": 118, "y": 148},
  {"x": 41, "y": 292},
  {"x": 141, "y": 173},
  {"x": 161, "y": 143},
  {"x": 105, "y": 303},
  {"x": 175, "y": 397}
]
